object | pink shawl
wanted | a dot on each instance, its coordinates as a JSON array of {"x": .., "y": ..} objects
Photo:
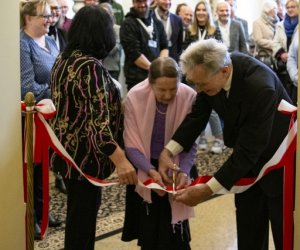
[{"x": 140, "y": 108}]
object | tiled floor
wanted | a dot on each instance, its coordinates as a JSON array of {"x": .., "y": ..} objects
[{"x": 213, "y": 228}]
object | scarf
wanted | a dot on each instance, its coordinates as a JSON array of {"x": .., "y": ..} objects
[
  {"x": 290, "y": 25},
  {"x": 139, "y": 114},
  {"x": 270, "y": 21}
]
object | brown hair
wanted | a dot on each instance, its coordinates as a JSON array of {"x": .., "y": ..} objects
[
  {"x": 178, "y": 8},
  {"x": 163, "y": 67}
]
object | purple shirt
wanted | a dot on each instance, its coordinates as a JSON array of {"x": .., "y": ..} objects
[{"x": 137, "y": 158}]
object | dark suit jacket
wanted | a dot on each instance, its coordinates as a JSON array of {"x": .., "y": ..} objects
[
  {"x": 61, "y": 34},
  {"x": 176, "y": 38},
  {"x": 252, "y": 125}
]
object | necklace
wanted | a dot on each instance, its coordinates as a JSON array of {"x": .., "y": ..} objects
[{"x": 160, "y": 112}]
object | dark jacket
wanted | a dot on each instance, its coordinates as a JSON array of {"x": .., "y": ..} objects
[
  {"x": 60, "y": 34},
  {"x": 252, "y": 125},
  {"x": 175, "y": 43},
  {"x": 87, "y": 122},
  {"x": 193, "y": 38},
  {"x": 135, "y": 42}
]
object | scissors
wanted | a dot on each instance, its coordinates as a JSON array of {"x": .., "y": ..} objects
[{"x": 174, "y": 179}]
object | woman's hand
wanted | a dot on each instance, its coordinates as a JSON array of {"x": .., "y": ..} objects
[
  {"x": 126, "y": 172},
  {"x": 182, "y": 180},
  {"x": 165, "y": 164},
  {"x": 157, "y": 178}
]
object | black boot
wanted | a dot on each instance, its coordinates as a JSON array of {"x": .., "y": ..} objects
[
  {"x": 53, "y": 222},
  {"x": 59, "y": 184},
  {"x": 37, "y": 232}
]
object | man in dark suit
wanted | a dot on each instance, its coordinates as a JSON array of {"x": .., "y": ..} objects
[
  {"x": 246, "y": 94},
  {"x": 173, "y": 27},
  {"x": 58, "y": 34}
]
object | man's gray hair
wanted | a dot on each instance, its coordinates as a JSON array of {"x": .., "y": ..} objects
[{"x": 210, "y": 53}]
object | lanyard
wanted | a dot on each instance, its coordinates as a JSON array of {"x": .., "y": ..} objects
[
  {"x": 149, "y": 29},
  {"x": 167, "y": 24},
  {"x": 201, "y": 35}
]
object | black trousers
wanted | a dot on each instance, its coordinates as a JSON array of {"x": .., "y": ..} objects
[
  {"x": 84, "y": 200},
  {"x": 254, "y": 210}
]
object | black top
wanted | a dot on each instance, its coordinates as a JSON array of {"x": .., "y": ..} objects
[{"x": 135, "y": 42}]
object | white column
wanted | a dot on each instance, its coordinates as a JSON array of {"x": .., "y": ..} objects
[{"x": 12, "y": 208}]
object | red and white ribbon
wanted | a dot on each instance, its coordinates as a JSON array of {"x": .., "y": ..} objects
[
  {"x": 284, "y": 156},
  {"x": 44, "y": 138}
]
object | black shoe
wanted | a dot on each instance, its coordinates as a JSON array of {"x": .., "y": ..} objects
[
  {"x": 37, "y": 232},
  {"x": 53, "y": 222},
  {"x": 60, "y": 185}
]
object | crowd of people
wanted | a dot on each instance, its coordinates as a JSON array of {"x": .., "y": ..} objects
[{"x": 182, "y": 71}]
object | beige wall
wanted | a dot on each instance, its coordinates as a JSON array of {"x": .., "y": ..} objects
[{"x": 12, "y": 234}]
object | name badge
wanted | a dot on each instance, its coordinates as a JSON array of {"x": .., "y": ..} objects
[{"x": 152, "y": 43}]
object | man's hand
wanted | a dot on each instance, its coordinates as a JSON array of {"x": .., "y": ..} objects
[
  {"x": 165, "y": 163},
  {"x": 157, "y": 178},
  {"x": 194, "y": 195}
]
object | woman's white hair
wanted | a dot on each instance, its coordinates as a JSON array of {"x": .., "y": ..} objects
[{"x": 269, "y": 5}]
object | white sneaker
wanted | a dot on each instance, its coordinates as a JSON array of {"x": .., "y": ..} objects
[
  {"x": 202, "y": 144},
  {"x": 217, "y": 146}
]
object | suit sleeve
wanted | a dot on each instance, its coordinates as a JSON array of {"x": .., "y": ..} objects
[
  {"x": 253, "y": 138},
  {"x": 194, "y": 123}
]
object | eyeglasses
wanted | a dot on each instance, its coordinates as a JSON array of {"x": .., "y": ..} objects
[
  {"x": 291, "y": 7},
  {"x": 55, "y": 8},
  {"x": 46, "y": 17}
]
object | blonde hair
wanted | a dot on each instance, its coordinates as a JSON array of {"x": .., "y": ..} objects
[
  {"x": 209, "y": 26},
  {"x": 295, "y": 1},
  {"x": 31, "y": 8}
]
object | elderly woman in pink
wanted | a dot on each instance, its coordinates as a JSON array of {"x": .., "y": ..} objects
[{"x": 154, "y": 109}]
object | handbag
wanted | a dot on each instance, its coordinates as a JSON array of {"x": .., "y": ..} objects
[
  {"x": 280, "y": 66},
  {"x": 265, "y": 56}
]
